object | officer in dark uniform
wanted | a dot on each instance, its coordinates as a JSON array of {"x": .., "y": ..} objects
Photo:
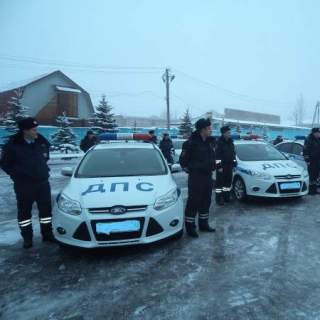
[
  {"x": 311, "y": 153},
  {"x": 225, "y": 162},
  {"x": 88, "y": 141},
  {"x": 198, "y": 160},
  {"x": 24, "y": 159},
  {"x": 154, "y": 138},
  {"x": 166, "y": 148}
]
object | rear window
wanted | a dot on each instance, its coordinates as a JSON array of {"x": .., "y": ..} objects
[
  {"x": 120, "y": 162},
  {"x": 258, "y": 152}
]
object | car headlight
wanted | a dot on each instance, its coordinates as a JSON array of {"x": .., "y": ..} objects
[
  {"x": 166, "y": 200},
  {"x": 305, "y": 174},
  {"x": 68, "y": 205},
  {"x": 260, "y": 175}
]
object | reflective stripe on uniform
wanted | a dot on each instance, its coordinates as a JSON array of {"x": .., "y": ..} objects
[
  {"x": 218, "y": 161},
  {"x": 25, "y": 223},
  {"x": 190, "y": 219},
  {"x": 204, "y": 216},
  {"x": 218, "y": 190},
  {"x": 45, "y": 220}
]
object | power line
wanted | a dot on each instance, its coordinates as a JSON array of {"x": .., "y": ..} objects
[
  {"x": 60, "y": 63},
  {"x": 231, "y": 92}
]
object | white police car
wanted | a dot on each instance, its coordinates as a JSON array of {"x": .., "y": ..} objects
[
  {"x": 265, "y": 172},
  {"x": 120, "y": 193}
]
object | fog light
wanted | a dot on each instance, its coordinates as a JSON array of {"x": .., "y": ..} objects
[
  {"x": 255, "y": 189},
  {"x": 60, "y": 230},
  {"x": 174, "y": 222}
]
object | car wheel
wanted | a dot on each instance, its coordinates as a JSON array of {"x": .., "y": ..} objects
[
  {"x": 178, "y": 235},
  {"x": 239, "y": 189}
]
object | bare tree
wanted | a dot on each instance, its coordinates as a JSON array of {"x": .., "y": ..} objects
[{"x": 299, "y": 111}]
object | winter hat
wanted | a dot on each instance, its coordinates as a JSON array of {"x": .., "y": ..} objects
[
  {"x": 27, "y": 123},
  {"x": 202, "y": 123},
  {"x": 314, "y": 130},
  {"x": 151, "y": 132},
  {"x": 225, "y": 129},
  {"x": 89, "y": 132}
]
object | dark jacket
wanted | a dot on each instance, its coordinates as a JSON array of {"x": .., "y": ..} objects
[
  {"x": 26, "y": 162},
  {"x": 311, "y": 150},
  {"x": 277, "y": 140},
  {"x": 154, "y": 139},
  {"x": 225, "y": 152},
  {"x": 87, "y": 143},
  {"x": 166, "y": 148},
  {"x": 198, "y": 156}
]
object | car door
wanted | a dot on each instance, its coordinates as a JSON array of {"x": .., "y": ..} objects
[
  {"x": 297, "y": 151},
  {"x": 286, "y": 148}
]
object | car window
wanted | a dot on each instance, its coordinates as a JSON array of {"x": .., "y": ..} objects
[
  {"x": 285, "y": 147},
  {"x": 258, "y": 152},
  {"x": 119, "y": 162},
  {"x": 297, "y": 149}
]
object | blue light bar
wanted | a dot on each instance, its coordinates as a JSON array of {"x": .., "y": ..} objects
[{"x": 300, "y": 137}]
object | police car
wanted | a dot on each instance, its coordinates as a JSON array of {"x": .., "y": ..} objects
[
  {"x": 120, "y": 193},
  {"x": 264, "y": 171},
  {"x": 293, "y": 149}
]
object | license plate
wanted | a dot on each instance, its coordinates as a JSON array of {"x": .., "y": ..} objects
[
  {"x": 290, "y": 185},
  {"x": 117, "y": 227}
]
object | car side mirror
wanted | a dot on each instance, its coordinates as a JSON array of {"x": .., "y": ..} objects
[{"x": 67, "y": 171}]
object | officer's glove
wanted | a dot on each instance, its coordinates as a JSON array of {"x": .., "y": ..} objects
[{"x": 235, "y": 163}]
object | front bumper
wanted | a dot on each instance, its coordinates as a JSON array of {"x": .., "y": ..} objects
[
  {"x": 80, "y": 231},
  {"x": 271, "y": 189}
]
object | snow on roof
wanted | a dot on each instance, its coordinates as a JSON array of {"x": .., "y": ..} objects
[
  {"x": 22, "y": 83},
  {"x": 66, "y": 89}
]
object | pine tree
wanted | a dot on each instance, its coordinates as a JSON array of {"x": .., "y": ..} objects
[
  {"x": 103, "y": 119},
  {"x": 64, "y": 139},
  {"x": 185, "y": 128},
  {"x": 16, "y": 112}
]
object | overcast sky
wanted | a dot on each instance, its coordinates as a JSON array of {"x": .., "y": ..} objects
[{"x": 250, "y": 54}]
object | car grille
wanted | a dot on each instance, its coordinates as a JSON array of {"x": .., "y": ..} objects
[
  {"x": 118, "y": 235},
  {"x": 107, "y": 210},
  {"x": 288, "y": 177}
]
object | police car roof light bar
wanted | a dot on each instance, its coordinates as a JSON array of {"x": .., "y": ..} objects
[
  {"x": 300, "y": 137},
  {"x": 124, "y": 136}
]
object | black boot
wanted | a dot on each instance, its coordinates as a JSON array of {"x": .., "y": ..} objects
[
  {"x": 191, "y": 229},
  {"x": 312, "y": 189},
  {"x": 204, "y": 223},
  {"x": 219, "y": 199},
  {"x": 226, "y": 196},
  {"x": 27, "y": 243},
  {"x": 47, "y": 234},
  {"x": 27, "y": 235}
]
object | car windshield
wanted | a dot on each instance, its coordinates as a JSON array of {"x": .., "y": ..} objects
[
  {"x": 119, "y": 162},
  {"x": 258, "y": 152},
  {"x": 177, "y": 144}
]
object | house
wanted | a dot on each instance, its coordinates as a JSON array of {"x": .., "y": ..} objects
[{"x": 48, "y": 96}]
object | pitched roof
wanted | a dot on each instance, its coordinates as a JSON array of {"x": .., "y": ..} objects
[{"x": 25, "y": 83}]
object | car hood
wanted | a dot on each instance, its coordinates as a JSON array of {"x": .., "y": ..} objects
[
  {"x": 125, "y": 191},
  {"x": 282, "y": 167}
]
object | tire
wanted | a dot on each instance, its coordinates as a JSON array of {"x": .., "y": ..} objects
[
  {"x": 178, "y": 235},
  {"x": 239, "y": 189}
]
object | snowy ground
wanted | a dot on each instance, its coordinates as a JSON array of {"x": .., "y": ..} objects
[{"x": 262, "y": 263}]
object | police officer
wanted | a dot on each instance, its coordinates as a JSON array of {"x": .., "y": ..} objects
[
  {"x": 154, "y": 138},
  {"x": 166, "y": 148},
  {"x": 225, "y": 162},
  {"x": 198, "y": 160},
  {"x": 24, "y": 159},
  {"x": 311, "y": 153},
  {"x": 88, "y": 141}
]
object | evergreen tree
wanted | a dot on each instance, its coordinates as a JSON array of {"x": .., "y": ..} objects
[
  {"x": 103, "y": 118},
  {"x": 186, "y": 128},
  {"x": 16, "y": 112},
  {"x": 64, "y": 139}
]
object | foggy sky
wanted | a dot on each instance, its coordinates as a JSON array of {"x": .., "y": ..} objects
[{"x": 250, "y": 54}]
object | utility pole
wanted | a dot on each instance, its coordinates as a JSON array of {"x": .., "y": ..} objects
[
  {"x": 316, "y": 115},
  {"x": 167, "y": 78}
]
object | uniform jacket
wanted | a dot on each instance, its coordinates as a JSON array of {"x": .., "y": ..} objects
[
  {"x": 198, "y": 156},
  {"x": 87, "y": 143},
  {"x": 311, "y": 150},
  {"x": 225, "y": 152},
  {"x": 166, "y": 148},
  {"x": 26, "y": 162}
]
